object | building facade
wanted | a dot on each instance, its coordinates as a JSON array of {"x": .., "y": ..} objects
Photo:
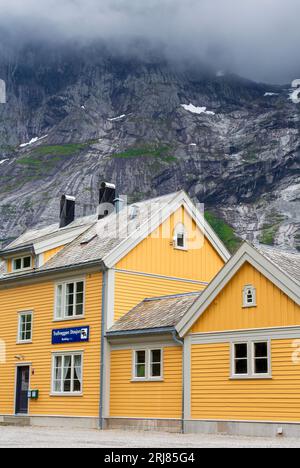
[{"x": 63, "y": 287}]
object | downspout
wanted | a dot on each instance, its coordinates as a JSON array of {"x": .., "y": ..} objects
[
  {"x": 102, "y": 352},
  {"x": 181, "y": 343}
]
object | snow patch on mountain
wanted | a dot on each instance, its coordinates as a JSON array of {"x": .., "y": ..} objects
[
  {"x": 115, "y": 119},
  {"x": 32, "y": 141},
  {"x": 197, "y": 110},
  {"x": 3, "y": 161},
  {"x": 271, "y": 94}
]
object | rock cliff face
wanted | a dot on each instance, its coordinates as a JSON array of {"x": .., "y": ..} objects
[{"x": 151, "y": 127}]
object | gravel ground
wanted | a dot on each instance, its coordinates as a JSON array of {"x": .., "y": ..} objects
[{"x": 29, "y": 437}]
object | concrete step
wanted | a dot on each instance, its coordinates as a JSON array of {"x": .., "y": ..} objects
[{"x": 21, "y": 421}]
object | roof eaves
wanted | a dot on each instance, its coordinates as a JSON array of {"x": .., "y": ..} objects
[
  {"x": 44, "y": 273},
  {"x": 8, "y": 252},
  {"x": 142, "y": 331}
]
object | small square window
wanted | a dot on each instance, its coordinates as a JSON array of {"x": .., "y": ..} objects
[
  {"x": 23, "y": 263},
  {"x": 251, "y": 360},
  {"x": 148, "y": 364},
  {"x": 249, "y": 296}
]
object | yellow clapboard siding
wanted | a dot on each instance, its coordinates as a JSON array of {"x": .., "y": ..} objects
[
  {"x": 215, "y": 396},
  {"x": 130, "y": 290},
  {"x": 40, "y": 299},
  {"x": 274, "y": 308},
  {"x": 50, "y": 253},
  {"x": 146, "y": 399},
  {"x": 156, "y": 253}
]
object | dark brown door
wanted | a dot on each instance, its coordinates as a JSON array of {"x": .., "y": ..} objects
[{"x": 22, "y": 390}]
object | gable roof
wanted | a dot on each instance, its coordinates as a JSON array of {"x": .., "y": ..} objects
[
  {"x": 108, "y": 240},
  {"x": 154, "y": 315},
  {"x": 281, "y": 268}
]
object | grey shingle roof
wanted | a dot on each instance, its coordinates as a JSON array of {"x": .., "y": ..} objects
[
  {"x": 161, "y": 312},
  {"x": 97, "y": 238},
  {"x": 287, "y": 262}
]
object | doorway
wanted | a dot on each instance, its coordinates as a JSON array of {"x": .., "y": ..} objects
[{"x": 23, "y": 375}]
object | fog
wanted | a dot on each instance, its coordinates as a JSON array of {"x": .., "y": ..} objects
[{"x": 258, "y": 39}]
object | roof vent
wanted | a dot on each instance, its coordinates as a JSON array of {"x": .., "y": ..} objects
[
  {"x": 107, "y": 196},
  {"x": 67, "y": 210}
]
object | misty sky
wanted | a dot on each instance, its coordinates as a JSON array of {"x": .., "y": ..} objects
[{"x": 259, "y": 39}]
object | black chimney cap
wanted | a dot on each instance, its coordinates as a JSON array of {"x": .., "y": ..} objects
[{"x": 67, "y": 210}]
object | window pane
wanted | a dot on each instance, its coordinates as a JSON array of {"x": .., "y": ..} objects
[
  {"x": 261, "y": 366},
  {"x": 261, "y": 349},
  {"x": 156, "y": 370},
  {"x": 27, "y": 262},
  {"x": 57, "y": 386},
  {"x": 180, "y": 240},
  {"x": 141, "y": 357},
  {"x": 18, "y": 264},
  {"x": 80, "y": 287},
  {"x": 241, "y": 350},
  {"x": 156, "y": 356},
  {"x": 70, "y": 288},
  {"x": 140, "y": 370},
  {"x": 241, "y": 367},
  {"x": 79, "y": 309}
]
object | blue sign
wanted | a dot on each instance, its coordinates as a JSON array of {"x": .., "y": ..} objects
[{"x": 70, "y": 335}]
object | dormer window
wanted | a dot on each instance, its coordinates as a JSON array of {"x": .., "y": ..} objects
[
  {"x": 21, "y": 264},
  {"x": 180, "y": 237},
  {"x": 249, "y": 296}
]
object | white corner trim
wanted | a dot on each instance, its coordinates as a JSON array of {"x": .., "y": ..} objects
[
  {"x": 110, "y": 298},
  {"x": 245, "y": 254},
  {"x": 150, "y": 225}
]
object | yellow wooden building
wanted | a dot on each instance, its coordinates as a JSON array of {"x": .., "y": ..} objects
[
  {"x": 138, "y": 317},
  {"x": 62, "y": 287}
]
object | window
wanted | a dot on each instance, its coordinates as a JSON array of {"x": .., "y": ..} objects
[
  {"x": 23, "y": 263},
  {"x": 67, "y": 374},
  {"x": 25, "y": 327},
  {"x": 180, "y": 237},
  {"x": 69, "y": 301},
  {"x": 148, "y": 364},
  {"x": 251, "y": 359},
  {"x": 249, "y": 296}
]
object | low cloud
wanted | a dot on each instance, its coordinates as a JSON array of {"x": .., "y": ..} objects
[{"x": 255, "y": 38}]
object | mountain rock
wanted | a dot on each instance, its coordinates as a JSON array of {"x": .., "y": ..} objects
[{"x": 75, "y": 117}]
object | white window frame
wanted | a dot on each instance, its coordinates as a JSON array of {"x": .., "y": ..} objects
[
  {"x": 246, "y": 304},
  {"x": 180, "y": 229},
  {"x": 16, "y": 270},
  {"x": 148, "y": 377},
  {"x": 64, "y": 354},
  {"x": 251, "y": 360},
  {"x": 20, "y": 315},
  {"x": 64, "y": 284}
]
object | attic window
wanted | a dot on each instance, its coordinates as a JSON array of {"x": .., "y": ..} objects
[
  {"x": 180, "y": 237},
  {"x": 22, "y": 263},
  {"x": 249, "y": 296}
]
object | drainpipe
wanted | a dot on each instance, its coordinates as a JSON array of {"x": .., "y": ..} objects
[
  {"x": 181, "y": 343},
  {"x": 102, "y": 355}
]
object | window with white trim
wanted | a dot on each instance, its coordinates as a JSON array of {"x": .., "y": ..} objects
[
  {"x": 67, "y": 373},
  {"x": 251, "y": 359},
  {"x": 25, "y": 327},
  {"x": 69, "y": 300},
  {"x": 22, "y": 263},
  {"x": 249, "y": 296},
  {"x": 180, "y": 237},
  {"x": 148, "y": 364}
]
